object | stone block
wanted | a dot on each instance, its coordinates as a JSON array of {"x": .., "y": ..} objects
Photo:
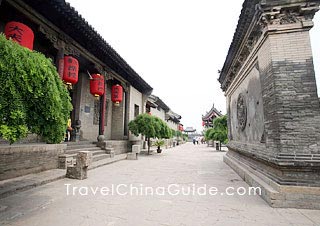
[
  {"x": 112, "y": 154},
  {"x": 80, "y": 169},
  {"x": 109, "y": 149},
  {"x": 76, "y": 172},
  {"x": 136, "y": 148},
  {"x": 84, "y": 158},
  {"x": 132, "y": 156},
  {"x": 65, "y": 161}
]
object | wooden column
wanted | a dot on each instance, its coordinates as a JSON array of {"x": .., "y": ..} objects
[
  {"x": 103, "y": 100},
  {"x": 59, "y": 62},
  {"x": 102, "y": 112}
]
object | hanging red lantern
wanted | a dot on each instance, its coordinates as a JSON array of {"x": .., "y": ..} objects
[
  {"x": 116, "y": 94},
  {"x": 19, "y": 33},
  {"x": 70, "y": 70},
  {"x": 203, "y": 123},
  {"x": 180, "y": 127},
  {"x": 97, "y": 85}
]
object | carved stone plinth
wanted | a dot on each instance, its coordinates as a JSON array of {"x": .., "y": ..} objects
[{"x": 80, "y": 169}]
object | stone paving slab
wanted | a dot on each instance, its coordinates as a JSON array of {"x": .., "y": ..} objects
[{"x": 51, "y": 205}]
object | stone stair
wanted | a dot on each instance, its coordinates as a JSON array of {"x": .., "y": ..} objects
[{"x": 73, "y": 148}]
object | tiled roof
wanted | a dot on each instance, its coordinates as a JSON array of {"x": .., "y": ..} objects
[
  {"x": 247, "y": 13},
  {"x": 66, "y": 18},
  {"x": 213, "y": 111}
]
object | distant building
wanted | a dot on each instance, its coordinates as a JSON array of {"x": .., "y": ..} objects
[
  {"x": 208, "y": 118},
  {"x": 155, "y": 106},
  {"x": 191, "y": 132}
]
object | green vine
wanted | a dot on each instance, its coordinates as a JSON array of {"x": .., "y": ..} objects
[{"x": 32, "y": 97}]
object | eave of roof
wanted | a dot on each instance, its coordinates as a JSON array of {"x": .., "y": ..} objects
[
  {"x": 162, "y": 105},
  {"x": 209, "y": 114},
  {"x": 72, "y": 23},
  {"x": 246, "y": 16}
]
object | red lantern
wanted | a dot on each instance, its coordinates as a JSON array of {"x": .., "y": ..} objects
[
  {"x": 71, "y": 69},
  {"x": 19, "y": 33},
  {"x": 180, "y": 128},
  {"x": 97, "y": 85},
  {"x": 203, "y": 123},
  {"x": 116, "y": 94}
]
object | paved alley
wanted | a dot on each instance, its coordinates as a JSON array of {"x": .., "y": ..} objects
[{"x": 171, "y": 188}]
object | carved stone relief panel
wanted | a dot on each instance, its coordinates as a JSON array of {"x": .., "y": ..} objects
[{"x": 242, "y": 111}]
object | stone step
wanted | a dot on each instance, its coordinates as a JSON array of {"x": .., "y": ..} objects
[
  {"x": 80, "y": 146},
  {"x": 72, "y": 151},
  {"x": 94, "y": 153},
  {"x": 107, "y": 161},
  {"x": 100, "y": 157},
  {"x": 80, "y": 142},
  {"x": 98, "y": 152}
]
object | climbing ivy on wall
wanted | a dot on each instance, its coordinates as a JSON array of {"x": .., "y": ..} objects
[{"x": 32, "y": 96}]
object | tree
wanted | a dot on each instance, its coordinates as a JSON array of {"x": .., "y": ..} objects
[
  {"x": 149, "y": 126},
  {"x": 32, "y": 97},
  {"x": 208, "y": 134},
  {"x": 178, "y": 135},
  {"x": 219, "y": 132}
]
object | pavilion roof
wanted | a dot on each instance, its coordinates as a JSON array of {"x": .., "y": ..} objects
[{"x": 211, "y": 114}]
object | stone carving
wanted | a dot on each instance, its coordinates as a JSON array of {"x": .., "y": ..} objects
[
  {"x": 80, "y": 169},
  {"x": 242, "y": 111},
  {"x": 277, "y": 15},
  {"x": 288, "y": 18}
]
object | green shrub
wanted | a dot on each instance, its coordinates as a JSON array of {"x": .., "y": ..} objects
[
  {"x": 32, "y": 97},
  {"x": 150, "y": 126}
]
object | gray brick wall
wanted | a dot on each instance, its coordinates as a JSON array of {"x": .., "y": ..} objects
[
  {"x": 136, "y": 98},
  {"x": 88, "y": 130},
  {"x": 18, "y": 160},
  {"x": 117, "y": 124},
  {"x": 290, "y": 117},
  {"x": 290, "y": 96}
]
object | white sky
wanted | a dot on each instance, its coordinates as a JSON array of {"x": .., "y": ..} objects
[{"x": 177, "y": 46}]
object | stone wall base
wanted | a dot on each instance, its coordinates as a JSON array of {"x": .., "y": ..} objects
[
  {"x": 21, "y": 159},
  {"x": 276, "y": 195}
]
